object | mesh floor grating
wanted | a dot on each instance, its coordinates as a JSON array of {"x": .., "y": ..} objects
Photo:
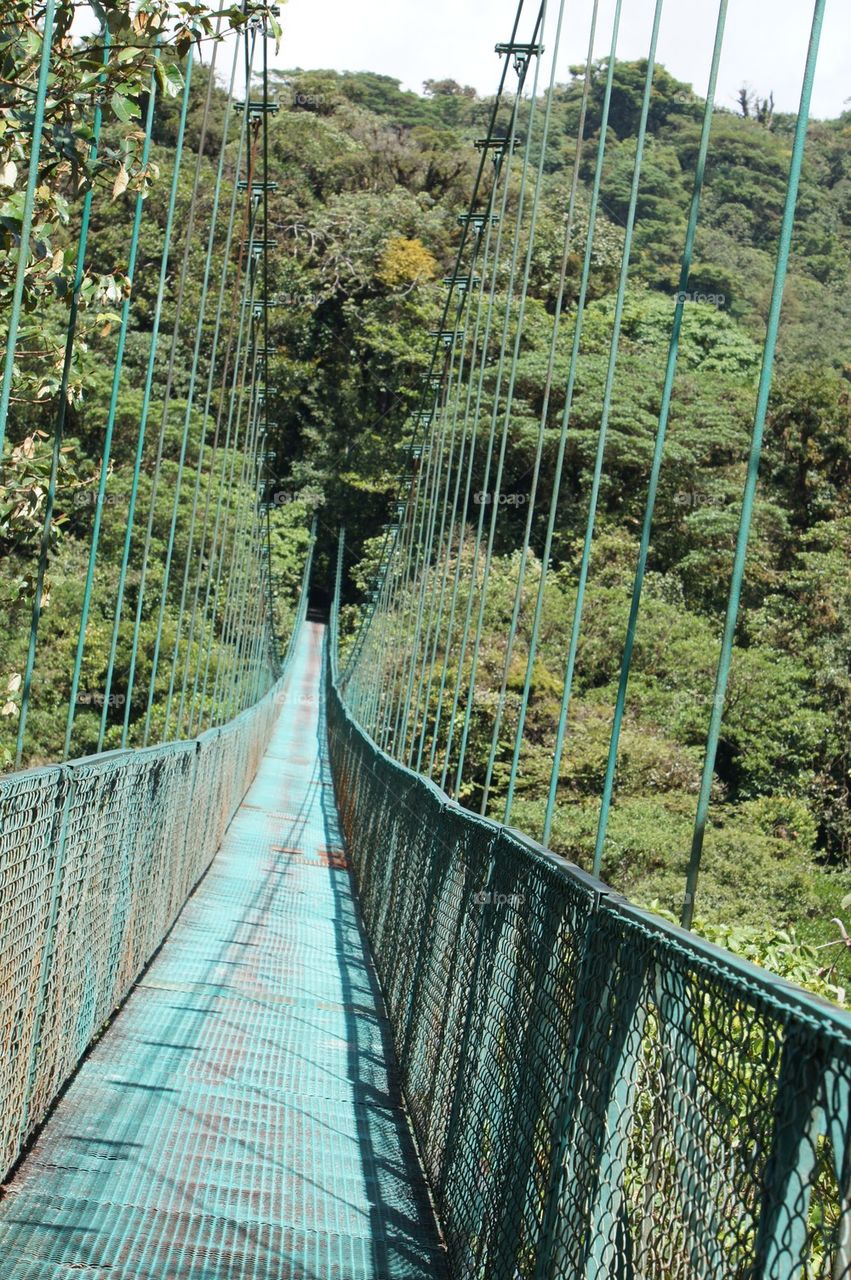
[{"x": 242, "y": 1116}]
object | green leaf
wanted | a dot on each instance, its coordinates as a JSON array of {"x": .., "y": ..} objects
[
  {"x": 123, "y": 107},
  {"x": 13, "y": 207},
  {"x": 170, "y": 78}
]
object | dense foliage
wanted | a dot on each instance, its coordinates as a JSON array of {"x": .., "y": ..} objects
[{"x": 371, "y": 180}]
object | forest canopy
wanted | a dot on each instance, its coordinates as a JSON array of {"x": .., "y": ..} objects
[{"x": 370, "y": 181}]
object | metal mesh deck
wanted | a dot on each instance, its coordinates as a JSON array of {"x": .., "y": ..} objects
[{"x": 241, "y": 1117}]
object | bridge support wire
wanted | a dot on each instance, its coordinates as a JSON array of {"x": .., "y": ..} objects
[{"x": 436, "y": 673}]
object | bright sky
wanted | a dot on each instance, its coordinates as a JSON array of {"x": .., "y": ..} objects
[{"x": 765, "y": 43}]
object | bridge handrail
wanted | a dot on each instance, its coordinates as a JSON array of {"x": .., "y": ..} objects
[
  {"x": 594, "y": 1090},
  {"x": 97, "y": 858}
]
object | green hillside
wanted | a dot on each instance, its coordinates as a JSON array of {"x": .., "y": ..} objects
[{"x": 371, "y": 181}]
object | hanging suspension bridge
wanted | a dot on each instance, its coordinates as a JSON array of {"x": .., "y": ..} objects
[{"x": 275, "y": 999}]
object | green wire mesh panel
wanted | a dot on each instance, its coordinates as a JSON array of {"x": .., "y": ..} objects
[
  {"x": 242, "y": 1115},
  {"x": 96, "y": 859},
  {"x": 707, "y": 1134},
  {"x": 31, "y": 805},
  {"x": 595, "y": 1092}
]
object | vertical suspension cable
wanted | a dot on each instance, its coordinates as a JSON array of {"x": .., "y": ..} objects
[
  {"x": 353, "y": 657},
  {"x": 199, "y": 333},
  {"x": 252, "y": 535},
  {"x": 61, "y": 414},
  {"x": 428, "y": 518},
  {"x": 267, "y": 302},
  {"x": 500, "y": 169},
  {"x": 542, "y": 424},
  {"x": 763, "y": 392},
  {"x": 164, "y": 418},
  {"x": 243, "y": 299},
  {"x": 578, "y": 325},
  {"x": 659, "y": 446},
  {"x": 335, "y": 608},
  {"x": 564, "y": 417},
  {"x": 235, "y": 561},
  {"x": 134, "y": 648},
  {"x": 512, "y": 631},
  {"x": 453, "y": 520},
  {"x": 110, "y": 420},
  {"x": 493, "y": 498},
  {"x": 604, "y": 419},
  {"x": 401, "y": 556},
  {"x": 193, "y": 370},
  {"x": 235, "y": 402},
  {"x": 395, "y": 568},
  {"x": 134, "y": 491},
  {"x": 202, "y": 541},
  {"x": 240, "y": 577},
  {"x": 26, "y": 218},
  {"x": 433, "y": 557},
  {"x": 416, "y": 516},
  {"x": 146, "y": 550},
  {"x": 476, "y": 414},
  {"x": 386, "y": 645},
  {"x": 246, "y": 395},
  {"x": 462, "y": 520}
]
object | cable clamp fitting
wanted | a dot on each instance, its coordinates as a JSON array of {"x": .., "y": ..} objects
[
  {"x": 257, "y": 108},
  {"x": 521, "y": 53}
]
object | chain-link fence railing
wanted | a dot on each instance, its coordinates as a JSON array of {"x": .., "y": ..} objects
[
  {"x": 97, "y": 857},
  {"x": 596, "y": 1093}
]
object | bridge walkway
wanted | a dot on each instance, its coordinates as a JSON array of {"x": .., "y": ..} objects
[{"x": 241, "y": 1116}]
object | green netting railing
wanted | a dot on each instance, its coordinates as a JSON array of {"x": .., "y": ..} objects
[
  {"x": 596, "y": 1093},
  {"x": 97, "y": 858}
]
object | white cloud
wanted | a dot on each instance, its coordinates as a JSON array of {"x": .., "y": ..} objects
[{"x": 765, "y": 43}]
